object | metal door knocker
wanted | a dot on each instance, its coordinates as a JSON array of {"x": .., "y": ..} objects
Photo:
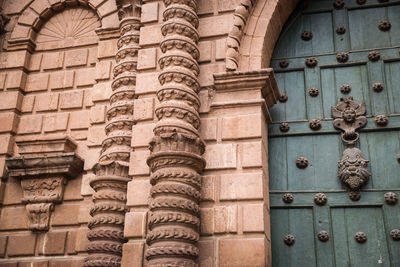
[{"x": 349, "y": 116}]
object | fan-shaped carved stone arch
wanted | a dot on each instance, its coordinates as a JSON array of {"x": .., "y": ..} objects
[
  {"x": 258, "y": 34},
  {"x": 39, "y": 12}
]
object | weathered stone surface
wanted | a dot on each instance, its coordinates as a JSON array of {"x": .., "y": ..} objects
[
  {"x": 242, "y": 252},
  {"x": 21, "y": 245}
]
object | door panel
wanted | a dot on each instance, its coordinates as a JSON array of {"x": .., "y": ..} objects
[{"x": 340, "y": 216}]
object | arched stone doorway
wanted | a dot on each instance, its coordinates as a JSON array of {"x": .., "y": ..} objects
[{"x": 325, "y": 212}]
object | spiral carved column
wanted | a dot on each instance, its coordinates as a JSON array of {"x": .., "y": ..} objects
[
  {"x": 176, "y": 148},
  {"x": 110, "y": 183}
]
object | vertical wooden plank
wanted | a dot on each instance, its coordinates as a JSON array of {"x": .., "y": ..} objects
[
  {"x": 328, "y": 91},
  {"x": 341, "y": 41},
  {"x": 322, "y": 29},
  {"x": 379, "y": 101},
  {"x": 280, "y": 228},
  {"x": 339, "y": 237},
  {"x": 296, "y": 108},
  {"x": 314, "y": 104},
  {"x": 324, "y": 250},
  {"x": 383, "y": 148},
  {"x": 278, "y": 164},
  {"x": 394, "y": 18},
  {"x": 363, "y": 24},
  {"x": 392, "y": 217},
  {"x": 374, "y": 252},
  {"x": 300, "y": 179},
  {"x": 392, "y": 86}
]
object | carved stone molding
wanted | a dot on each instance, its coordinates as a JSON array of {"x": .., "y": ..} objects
[
  {"x": 241, "y": 15},
  {"x": 44, "y": 168},
  {"x": 176, "y": 148},
  {"x": 110, "y": 183},
  {"x": 3, "y": 21}
]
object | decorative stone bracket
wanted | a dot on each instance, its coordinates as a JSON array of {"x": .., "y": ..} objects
[{"x": 44, "y": 168}]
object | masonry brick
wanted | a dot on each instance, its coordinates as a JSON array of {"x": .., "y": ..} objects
[
  {"x": 248, "y": 126},
  {"x": 147, "y": 58},
  {"x": 81, "y": 240},
  {"x": 47, "y": 102},
  {"x": 225, "y": 219},
  {"x": 207, "y": 221},
  {"x": 241, "y": 186},
  {"x": 9, "y": 264},
  {"x": 253, "y": 218},
  {"x": 21, "y": 31},
  {"x": 103, "y": 70},
  {"x": 107, "y": 48},
  {"x": 35, "y": 62},
  {"x": 79, "y": 119},
  {"x": 9, "y": 122},
  {"x": 91, "y": 156},
  {"x": 143, "y": 109},
  {"x": 13, "y": 192},
  {"x": 40, "y": 263},
  {"x": 251, "y": 154},
  {"x": 27, "y": 103},
  {"x": 205, "y": 7},
  {"x": 21, "y": 245},
  {"x": 27, "y": 17},
  {"x": 242, "y": 252},
  {"x": 206, "y": 77},
  {"x": 17, "y": 59},
  {"x": 101, "y": 92},
  {"x": 52, "y": 243},
  {"x": 205, "y": 51},
  {"x": 55, "y": 122},
  {"x": 10, "y": 100},
  {"x": 65, "y": 214},
  {"x": 206, "y": 253},
  {"x": 78, "y": 57},
  {"x": 138, "y": 165},
  {"x": 53, "y": 60},
  {"x": 30, "y": 124},
  {"x": 84, "y": 77},
  {"x": 150, "y": 35},
  {"x": 142, "y": 135},
  {"x": 62, "y": 79},
  {"x": 6, "y": 144},
  {"x": 37, "y": 82},
  {"x": 220, "y": 49},
  {"x": 3, "y": 243},
  {"x": 76, "y": 262},
  {"x": 97, "y": 114},
  {"x": 149, "y": 12},
  {"x": 73, "y": 189},
  {"x": 135, "y": 224},
  {"x": 132, "y": 254},
  {"x": 147, "y": 83},
  {"x": 71, "y": 99},
  {"x": 207, "y": 25},
  {"x": 208, "y": 188},
  {"x": 141, "y": 190},
  {"x": 84, "y": 211},
  {"x": 71, "y": 241},
  {"x": 92, "y": 58},
  {"x": 208, "y": 129},
  {"x": 16, "y": 80},
  {"x": 221, "y": 156},
  {"x": 96, "y": 135},
  {"x": 86, "y": 189}
]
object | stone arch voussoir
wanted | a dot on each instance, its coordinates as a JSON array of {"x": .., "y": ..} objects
[{"x": 257, "y": 26}]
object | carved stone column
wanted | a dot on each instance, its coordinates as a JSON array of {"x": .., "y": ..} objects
[
  {"x": 176, "y": 148},
  {"x": 110, "y": 184},
  {"x": 44, "y": 166}
]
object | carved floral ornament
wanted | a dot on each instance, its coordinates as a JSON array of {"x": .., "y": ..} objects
[
  {"x": 349, "y": 116},
  {"x": 44, "y": 175}
]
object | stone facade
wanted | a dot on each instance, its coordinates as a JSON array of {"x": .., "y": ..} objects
[{"x": 93, "y": 92}]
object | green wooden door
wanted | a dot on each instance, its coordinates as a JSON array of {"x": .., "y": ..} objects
[{"x": 330, "y": 50}]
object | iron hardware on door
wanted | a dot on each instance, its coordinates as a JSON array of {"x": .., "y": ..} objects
[{"x": 349, "y": 116}]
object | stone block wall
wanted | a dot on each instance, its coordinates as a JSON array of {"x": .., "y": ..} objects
[{"x": 64, "y": 88}]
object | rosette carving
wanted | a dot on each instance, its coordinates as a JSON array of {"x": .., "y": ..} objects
[
  {"x": 176, "y": 148},
  {"x": 110, "y": 184}
]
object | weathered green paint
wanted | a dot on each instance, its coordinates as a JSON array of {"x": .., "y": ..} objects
[{"x": 341, "y": 217}]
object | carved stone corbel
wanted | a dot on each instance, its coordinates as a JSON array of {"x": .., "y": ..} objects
[
  {"x": 349, "y": 116},
  {"x": 44, "y": 168}
]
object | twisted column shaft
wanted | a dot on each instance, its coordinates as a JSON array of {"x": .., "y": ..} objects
[
  {"x": 176, "y": 148},
  {"x": 110, "y": 183}
]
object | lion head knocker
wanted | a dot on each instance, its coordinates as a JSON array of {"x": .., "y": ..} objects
[{"x": 349, "y": 116}]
